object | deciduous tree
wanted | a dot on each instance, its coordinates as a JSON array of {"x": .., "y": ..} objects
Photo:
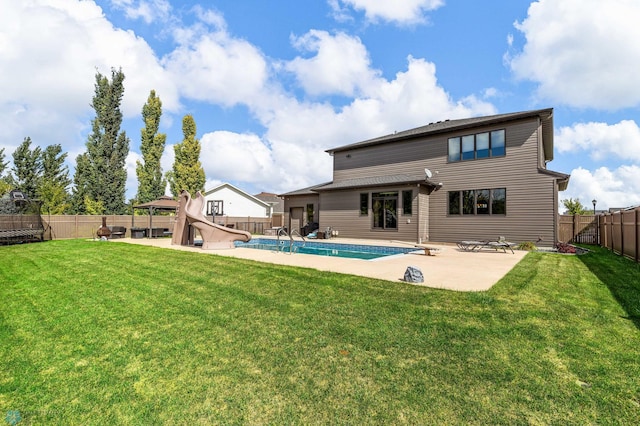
[{"x": 574, "y": 206}]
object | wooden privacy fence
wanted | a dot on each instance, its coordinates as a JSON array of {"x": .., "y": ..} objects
[
  {"x": 578, "y": 229},
  {"x": 85, "y": 226},
  {"x": 620, "y": 232}
]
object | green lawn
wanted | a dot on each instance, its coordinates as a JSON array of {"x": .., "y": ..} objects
[{"x": 111, "y": 333}]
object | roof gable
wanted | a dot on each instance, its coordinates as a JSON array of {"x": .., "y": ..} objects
[{"x": 238, "y": 191}]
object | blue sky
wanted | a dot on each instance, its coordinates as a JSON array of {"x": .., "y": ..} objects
[{"x": 272, "y": 85}]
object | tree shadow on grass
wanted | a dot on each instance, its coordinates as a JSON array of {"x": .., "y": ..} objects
[{"x": 620, "y": 275}]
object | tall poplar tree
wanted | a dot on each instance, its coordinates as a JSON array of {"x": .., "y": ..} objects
[
  {"x": 151, "y": 182},
  {"x": 101, "y": 178},
  {"x": 81, "y": 184},
  {"x": 27, "y": 168},
  {"x": 187, "y": 172}
]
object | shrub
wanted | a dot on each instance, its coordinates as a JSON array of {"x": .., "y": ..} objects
[
  {"x": 565, "y": 248},
  {"x": 528, "y": 246}
]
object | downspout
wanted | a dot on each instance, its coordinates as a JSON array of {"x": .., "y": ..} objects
[{"x": 418, "y": 238}]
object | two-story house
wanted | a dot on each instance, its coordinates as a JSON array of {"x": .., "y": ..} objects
[{"x": 467, "y": 179}]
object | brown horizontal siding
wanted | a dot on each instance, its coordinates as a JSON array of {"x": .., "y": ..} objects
[
  {"x": 411, "y": 157},
  {"x": 531, "y": 206},
  {"x": 340, "y": 210}
]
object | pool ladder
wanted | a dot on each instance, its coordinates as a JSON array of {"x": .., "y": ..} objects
[{"x": 283, "y": 233}]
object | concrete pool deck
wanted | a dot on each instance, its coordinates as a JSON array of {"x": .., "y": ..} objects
[{"x": 451, "y": 269}]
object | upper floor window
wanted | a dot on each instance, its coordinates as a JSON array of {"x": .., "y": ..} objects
[{"x": 479, "y": 145}]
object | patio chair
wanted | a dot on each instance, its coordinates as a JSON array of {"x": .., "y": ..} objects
[
  {"x": 502, "y": 244},
  {"x": 471, "y": 245}
]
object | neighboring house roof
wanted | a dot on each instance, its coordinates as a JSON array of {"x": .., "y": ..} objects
[
  {"x": 239, "y": 191},
  {"x": 273, "y": 199},
  {"x": 447, "y": 126}
]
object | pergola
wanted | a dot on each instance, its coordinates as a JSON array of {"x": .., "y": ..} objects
[{"x": 163, "y": 203}]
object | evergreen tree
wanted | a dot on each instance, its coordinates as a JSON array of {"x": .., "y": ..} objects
[
  {"x": 81, "y": 183},
  {"x": 151, "y": 183},
  {"x": 187, "y": 173},
  {"x": 55, "y": 181},
  {"x": 27, "y": 168},
  {"x": 5, "y": 185},
  {"x": 103, "y": 175}
]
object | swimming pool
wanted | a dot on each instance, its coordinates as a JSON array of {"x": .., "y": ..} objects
[{"x": 351, "y": 251}]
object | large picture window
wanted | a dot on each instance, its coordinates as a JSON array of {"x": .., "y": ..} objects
[
  {"x": 477, "y": 146},
  {"x": 499, "y": 201},
  {"x": 384, "y": 206},
  {"x": 478, "y": 202}
]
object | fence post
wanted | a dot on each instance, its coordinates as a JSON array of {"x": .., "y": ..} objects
[
  {"x": 635, "y": 229},
  {"x": 621, "y": 233}
]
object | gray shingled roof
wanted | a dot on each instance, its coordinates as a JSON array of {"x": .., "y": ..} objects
[
  {"x": 453, "y": 125},
  {"x": 304, "y": 191},
  {"x": 372, "y": 181}
]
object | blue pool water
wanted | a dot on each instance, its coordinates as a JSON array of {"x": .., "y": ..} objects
[{"x": 352, "y": 251}]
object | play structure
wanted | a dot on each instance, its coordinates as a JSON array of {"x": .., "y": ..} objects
[{"x": 190, "y": 218}]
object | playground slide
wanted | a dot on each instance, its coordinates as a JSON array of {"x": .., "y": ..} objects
[{"x": 213, "y": 236}]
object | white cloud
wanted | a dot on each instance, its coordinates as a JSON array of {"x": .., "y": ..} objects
[
  {"x": 601, "y": 140},
  {"x": 48, "y": 63},
  {"x": 291, "y": 155},
  {"x": 130, "y": 166},
  {"x": 213, "y": 66},
  {"x": 65, "y": 41},
  {"x": 582, "y": 52},
  {"x": 147, "y": 10},
  {"x": 610, "y": 188},
  {"x": 340, "y": 66},
  {"x": 401, "y": 12}
]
